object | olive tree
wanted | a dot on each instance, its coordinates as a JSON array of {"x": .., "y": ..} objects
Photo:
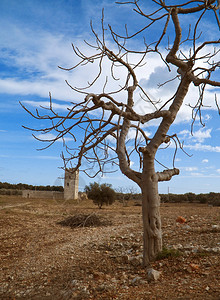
[
  {"x": 100, "y": 193},
  {"x": 108, "y": 127}
]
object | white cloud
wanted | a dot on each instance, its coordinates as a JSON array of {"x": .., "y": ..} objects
[
  {"x": 202, "y": 134},
  {"x": 37, "y": 56},
  {"x": 197, "y": 174},
  {"x": 132, "y": 134},
  {"x": 209, "y": 167},
  {"x": 184, "y": 132},
  {"x": 37, "y": 87},
  {"x": 46, "y": 157},
  {"x": 34, "y": 51},
  {"x": 131, "y": 163},
  {"x": 159, "y": 74},
  {"x": 189, "y": 169},
  {"x": 199, "y": 135},
  {"x": 50, "y": 137},
  {"x": 178, "y": 159},
  {"x": 201, "y": 147},
  {"x": 218, "y": 171},
  {"x": 205, "y": 160}
]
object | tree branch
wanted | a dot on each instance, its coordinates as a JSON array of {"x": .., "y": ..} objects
[{"x": 166, "y": 175}]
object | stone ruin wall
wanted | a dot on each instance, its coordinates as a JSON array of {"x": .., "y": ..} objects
[
  {"x": 71, "y": 189},
  {"x": 42, "y": 194}
]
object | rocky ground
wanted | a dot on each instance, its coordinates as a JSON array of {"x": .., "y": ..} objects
[{"x": 42, "y": 259}]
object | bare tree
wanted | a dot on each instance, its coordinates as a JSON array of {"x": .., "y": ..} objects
[
  {"x": 126, "y": 193},
  {"x": 101, "y": 124}
]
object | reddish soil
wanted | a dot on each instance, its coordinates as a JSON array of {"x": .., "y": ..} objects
[{"x": 40, "y": 259}]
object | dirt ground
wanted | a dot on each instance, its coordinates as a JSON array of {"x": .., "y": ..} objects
[{"x": 40, "y": 259}]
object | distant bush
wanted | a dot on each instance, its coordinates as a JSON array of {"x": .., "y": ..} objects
[
  {"x": 191, "y": 197},
  {"x": 202, "y": 198},
  {"x": 211, "y": 198},
  {"x": 10, "y": 192},
  {"x": 214, "y": 199},
  {"x": 23, "y": 186},
  {"x": 100, "y": 194}
]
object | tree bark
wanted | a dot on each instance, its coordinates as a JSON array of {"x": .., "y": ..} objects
[{"x": 152, "y": 234}]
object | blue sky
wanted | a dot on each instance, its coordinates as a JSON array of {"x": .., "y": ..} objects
[{"x": 36, "y": 37}]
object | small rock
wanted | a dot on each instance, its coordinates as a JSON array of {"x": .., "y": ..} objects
[
  {"x": 84, "y": 291},
  {"x": 101, "y": 288},
  {"x": 188, "y": 247},
  {"x": 97, "y": 275},
  {"x": 216, "y": 249},
  {"x": 105, "y": 287},
  {"x": 136, "y": 280},
  {"x": 186, "y": 227},
  {"x": 125, "y": 287},
  {"x": 75, "y": 282},
  {"x": 195, "y": 250},
  {"x": 153, "y": 275},
  {"x": 215, "y": 226},
  {"x": 176, "y": 247},
  {"x": 135, "y": 261}
]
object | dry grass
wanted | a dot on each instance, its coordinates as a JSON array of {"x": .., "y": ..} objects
[{"x": 42, "y": 260}]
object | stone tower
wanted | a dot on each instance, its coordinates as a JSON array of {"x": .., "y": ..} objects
[{"x": 71, "y": 184}]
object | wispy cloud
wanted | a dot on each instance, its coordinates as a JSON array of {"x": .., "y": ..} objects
[
  {"x": 189, "y": 169},
  {"x": 45, "y": 157},
  {"x": 133, "y": 133},
  {"x": 33, "y": 57},
  {"x": 202, "y": 134},
  {"x": 36, "y": 55},
  {"x": 205, "y": 161},
  {"x": 197, "y": 174},
  {"x": 201, "y": 147},
  {"x": 201, "y": 175},
  {"x": 199, "y": 135}
]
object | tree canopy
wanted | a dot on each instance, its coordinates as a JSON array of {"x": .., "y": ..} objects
[{"x": 100, "y": 194}]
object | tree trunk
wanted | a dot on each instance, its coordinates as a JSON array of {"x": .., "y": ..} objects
[{"x": 152, "y": 234}]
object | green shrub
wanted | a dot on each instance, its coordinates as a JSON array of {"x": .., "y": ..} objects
[
  {"x": 100, "y": 194},
  {"x": 168, "y": 253}
]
